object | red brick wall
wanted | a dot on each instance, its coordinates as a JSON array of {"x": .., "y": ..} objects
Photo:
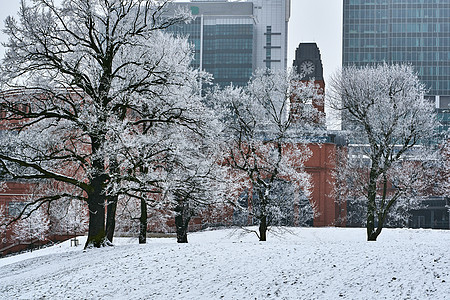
[{"x": 320, "y": 166}]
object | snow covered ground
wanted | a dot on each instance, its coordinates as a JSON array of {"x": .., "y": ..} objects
[{"x": 308, "y": 263}]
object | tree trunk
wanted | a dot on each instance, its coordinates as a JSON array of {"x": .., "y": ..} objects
[
  {"x": 182, "y": 228},
  {"x": 263, "y": 229},
  {"x": 96, "y": 197},
  {"x": 111, "y": 205},
  {"x": 143, "y": 223},
  {"x": 371, "y": 206},
  {"x": 182, "y": 218},
  {"x": 96, "y": 235},
  {"x": 96, "y": 205},
  {"x": 111, "y": 218}
]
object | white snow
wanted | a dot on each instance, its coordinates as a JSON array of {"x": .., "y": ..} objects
[{"x": 308, "y": 263}]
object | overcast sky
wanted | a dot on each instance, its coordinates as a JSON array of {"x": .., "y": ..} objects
[{"x": 317, "y": 21}]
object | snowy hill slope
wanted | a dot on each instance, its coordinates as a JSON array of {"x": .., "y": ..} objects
[{"x": 309, "y": 263}]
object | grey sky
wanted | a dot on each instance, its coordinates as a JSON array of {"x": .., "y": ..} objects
[
  {"x": 7, "y": 8},
  {"x": 317, "y": 21}
]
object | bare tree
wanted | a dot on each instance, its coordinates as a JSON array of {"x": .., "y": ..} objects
[
  {"x": 267, "y": 125},
  {"x": 390, "y": 123},
  {"x": 80, "y": 73}
]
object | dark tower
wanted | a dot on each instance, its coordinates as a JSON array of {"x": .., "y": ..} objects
[{"x": 308, "y": 64}]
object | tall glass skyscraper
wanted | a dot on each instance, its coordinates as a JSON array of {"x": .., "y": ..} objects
[
  {"x": 232, "y": 39},
  {"x": 402, "y": 31}
]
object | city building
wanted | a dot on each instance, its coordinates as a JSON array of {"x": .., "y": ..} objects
[
  {"x": 232, "y": 39},
  {"x": 403, "y": 31}
]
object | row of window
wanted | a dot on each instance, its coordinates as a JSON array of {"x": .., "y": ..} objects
[
  {"x": 366, "y": 43},
  {"x": 420, "y": 42},
  {"x": 230, "y": 73},
  {"x": 404, "y": 13},
  {"x": 191, "y": 29},
  {"x": 357, "y": 13},
  {"x": 26, "y": 108},
  {"x": 434, "y": 44},
  {"x": 418, "y": 12},
  {"x": 433, "y": 71},
  {"x": 443, "y": 56},
  {"x": 438, "y": 86},
  {"x": 380, "y": 2},
  {"x": 367, "y": 28},
  {"x": 228, "y": 58},
  {"x": 239, "y": 44},
  {"x": 382, "y": 28},
  {"x": 228, "y": 30},
  {"x": 420, "y": 27},
  {"x": 354, "y": 57},
  {"x": 419, "y": 58}
]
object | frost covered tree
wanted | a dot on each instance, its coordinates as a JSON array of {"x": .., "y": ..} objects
[
  {"x": 169, "y": 152},
  {"x": 68, "y": 216},
  {"x": 190, "y": 186},
  {"x": 267, "y": 125},
  {"x": 31, "y": 229},
  {"x": 196, "y": 187},
  {"x": 83, "y": 75},
  {"x": 391, "y": 122},
  {"x": 174, "y": 169}
]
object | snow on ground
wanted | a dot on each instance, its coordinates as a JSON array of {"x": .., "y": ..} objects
[{"x": 308, "y": 263}]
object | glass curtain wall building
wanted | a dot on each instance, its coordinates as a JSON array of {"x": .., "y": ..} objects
[
  {"x": 402, "y": 31},
  {"x": 232, "y": 39}
]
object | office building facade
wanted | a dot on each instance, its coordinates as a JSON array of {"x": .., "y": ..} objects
[
  {"x": 402, "y": 31},
  {"x": 232, "y": 39}
]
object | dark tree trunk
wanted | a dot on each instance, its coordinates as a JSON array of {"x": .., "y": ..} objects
[
  {"x": 371, "y": 207},
  {"x": 263, "y": 229},
  {"x": 373, "y": 237},
  {"x": 111, "y": 218},
  {"x": 182, "y": 218},
  {"x": 96, "y": 204},
  {"x": 111, "y": 205},
  {"x": 96, "y": 198},
  {"x": 143, "y": 223},
  {"x": 182, "y": 228},
  {"x": 96, "y": 235}
]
